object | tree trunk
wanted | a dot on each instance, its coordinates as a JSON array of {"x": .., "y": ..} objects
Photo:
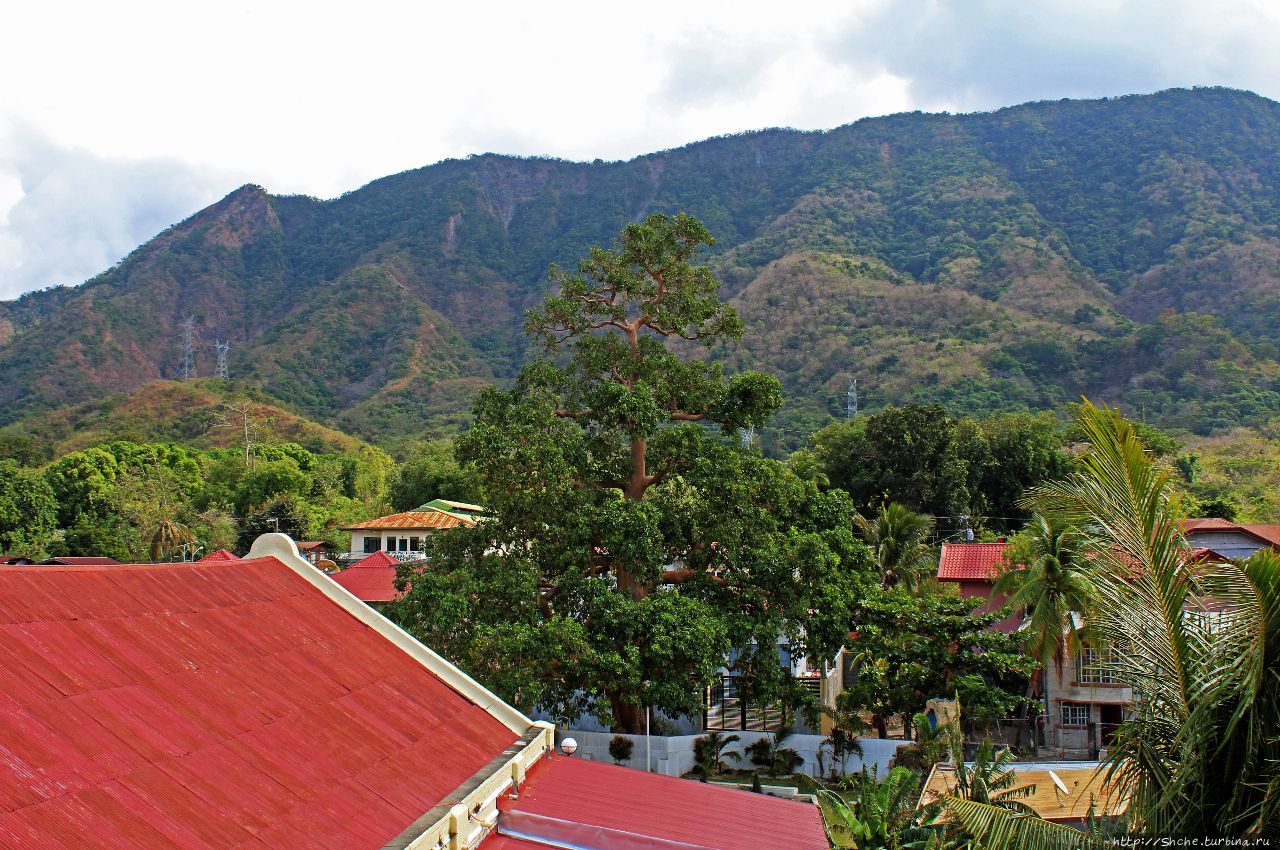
[
  {"x": 882, "y": 726},
  {"x": 628, "y": 718}
]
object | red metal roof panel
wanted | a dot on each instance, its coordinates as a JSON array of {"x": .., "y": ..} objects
[
  {"x": 215, "y": 704},
  {"x": 663, "y": 807},
  {"x": 371, "y": 579}
]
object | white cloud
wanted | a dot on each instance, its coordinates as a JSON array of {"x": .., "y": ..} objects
[
  {"x": 139, "y": 111},
  {"x": 72, "y": 213}
]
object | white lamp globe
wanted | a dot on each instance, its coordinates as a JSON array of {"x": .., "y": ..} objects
[{"x": 568, "y": 746}]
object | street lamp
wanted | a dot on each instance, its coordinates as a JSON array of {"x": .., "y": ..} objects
[{"x": 568, "y": 746}]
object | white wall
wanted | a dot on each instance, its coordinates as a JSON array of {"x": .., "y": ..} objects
[{"x": 673, "y": 756}]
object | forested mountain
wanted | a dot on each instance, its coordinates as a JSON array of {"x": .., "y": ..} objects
[{"x": 1126, "y": 248}]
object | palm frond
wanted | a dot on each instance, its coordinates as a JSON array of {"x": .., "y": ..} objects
[{"x": 995, "y": 828}]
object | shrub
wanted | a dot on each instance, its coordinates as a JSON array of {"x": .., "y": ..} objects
[{"x": 620, "y": 748}]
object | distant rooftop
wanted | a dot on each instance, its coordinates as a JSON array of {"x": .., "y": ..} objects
[
  {"x": 371, "y": 579},
  {"x": 970, "y": 561},
  {"x": 428, "y": 520}
]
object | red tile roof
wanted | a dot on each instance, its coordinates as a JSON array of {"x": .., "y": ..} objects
[
  {"x": 410, "y": 520},
  {"x": 970, "y": 561},
  {"x": 571, "y": 798},
  {"x": 371, "y": 579},
  {"x": 216, "y": 704},
  {"x": 220, "y": 555}
]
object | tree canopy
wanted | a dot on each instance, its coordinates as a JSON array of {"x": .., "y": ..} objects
[{"x": 635, "y": 545}]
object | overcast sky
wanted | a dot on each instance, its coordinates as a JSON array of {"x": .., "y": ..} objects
[{"x": 118, "y": 119}]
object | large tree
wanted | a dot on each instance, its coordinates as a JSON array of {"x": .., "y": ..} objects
[
  {"x": 909, "y": 648},
  {"x": 633, "y": 550}
]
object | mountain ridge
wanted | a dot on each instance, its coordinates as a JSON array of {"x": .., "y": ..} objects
[{"x": 1059, "y": 236}]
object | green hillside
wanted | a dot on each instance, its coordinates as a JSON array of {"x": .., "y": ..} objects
[{"x": 1126, "y": 248}]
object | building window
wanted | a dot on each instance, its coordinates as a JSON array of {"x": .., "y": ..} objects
[
  {"x": 1098, "y": 668},
  {"x": 1075, "y": 714},
  {"x": 415, "y": 544},
  {"x": 372, "y": 544}
]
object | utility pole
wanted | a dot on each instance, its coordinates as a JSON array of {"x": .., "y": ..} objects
[
  {"x": 223, "y": 349},
  {"x": 187, "y": 366},
  {"x": 851, "y": 400}
]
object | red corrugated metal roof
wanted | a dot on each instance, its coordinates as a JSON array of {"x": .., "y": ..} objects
[
  {"x": 215, "y": 704},
  {"x": 410, "y": 520},
  {"x": 220, "y": 555},
  {"x": 371, "y": 579},
  {"x": 658, "y": 807},
  {"x": 970, "y": 561}
]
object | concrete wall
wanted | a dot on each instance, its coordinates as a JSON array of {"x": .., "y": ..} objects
[{"x": 673, "y": 756}]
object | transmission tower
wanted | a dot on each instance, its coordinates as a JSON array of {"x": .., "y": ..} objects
[
  {"x": 223, "y": 349},
  {"x": 187, "y": 366},
  {"x": 851, "y": 400},
  {"x": 748, "y": 436}
]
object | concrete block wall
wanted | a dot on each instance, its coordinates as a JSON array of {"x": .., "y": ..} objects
[{"x": 673, "y": 755}]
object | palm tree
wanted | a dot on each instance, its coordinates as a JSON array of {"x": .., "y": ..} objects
[
  {"x": 709, "y": 753},
  {"x": 993, "y": 828},
  {"x": 846, "y": 725},
  {"x": 897, "y": 537},
  {"x": 166, "y": 535},
  {"x": 988, "y": 778},
  {"x": 871, "y": 815},
  {"x": 1200, "y": 755},
  {"x": 771, "y": 754},
  {"x": 1050, "y": 579}
]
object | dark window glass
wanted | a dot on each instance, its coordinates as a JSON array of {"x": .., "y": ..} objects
[{"x": 372, "y": 544}]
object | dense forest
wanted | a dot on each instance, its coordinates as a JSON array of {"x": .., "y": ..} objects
[{"x": 1124, "y": 249}]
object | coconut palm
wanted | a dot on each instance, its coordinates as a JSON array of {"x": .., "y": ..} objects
[
  {"x": 897, "y": 537},
  {"x": 166, "y": 535},
  {"x": 1050, "y": 579},
  {"x": 1200, "y": 755},
  {"x": 994, "y": 828}
]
